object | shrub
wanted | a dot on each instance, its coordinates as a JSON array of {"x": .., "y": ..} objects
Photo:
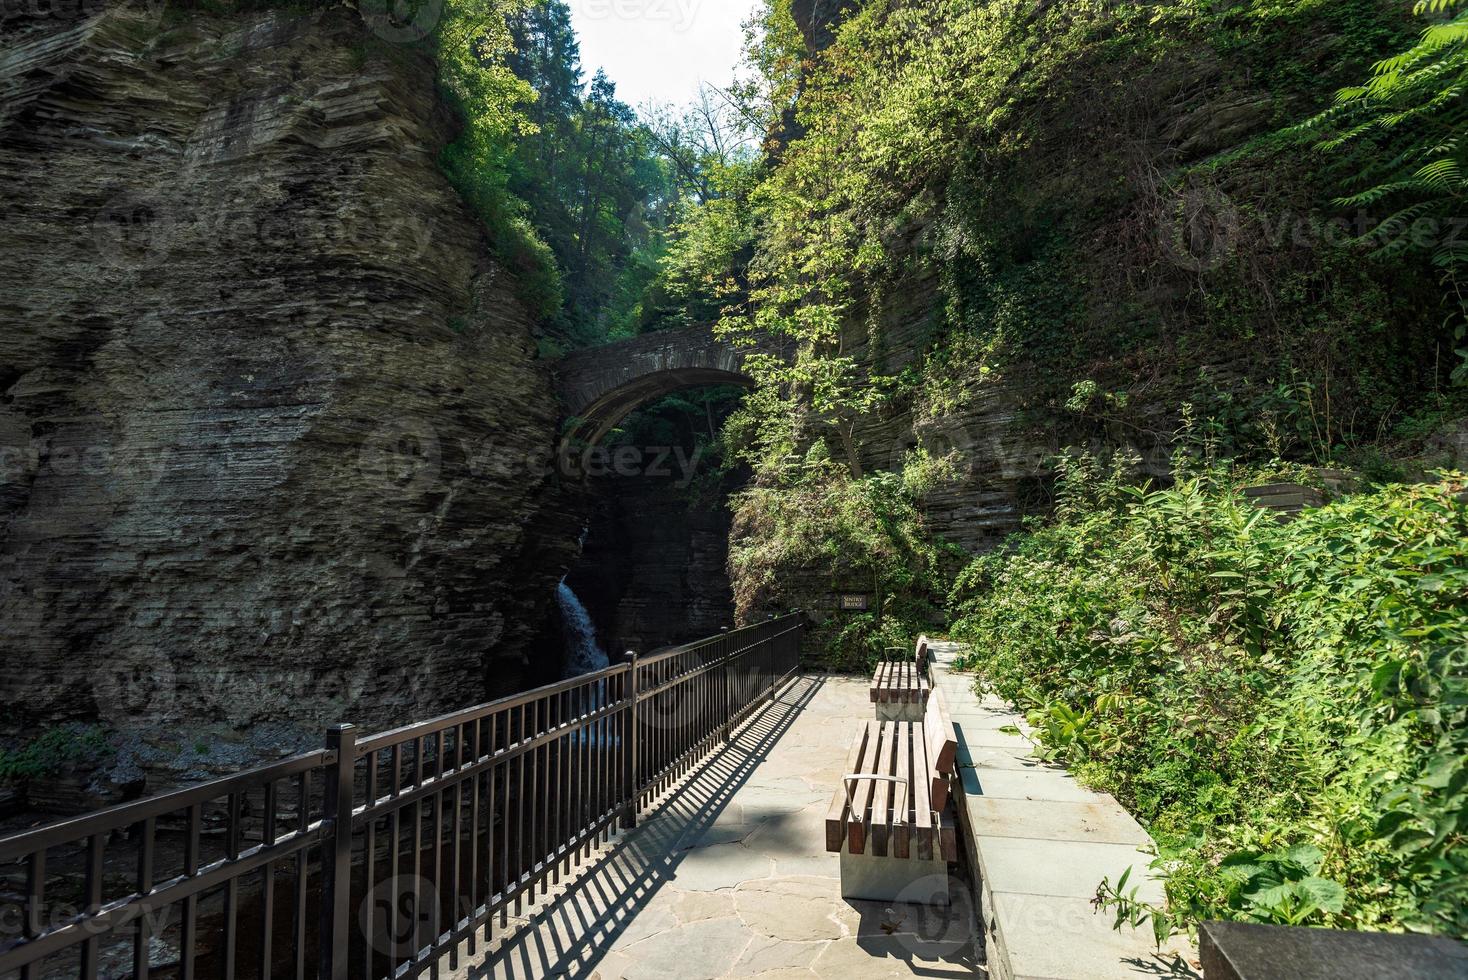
[
  {"x": 50, "y": 752},
  {"x": 1283, "y": 705},
  {"x": 816, "y": 529}
]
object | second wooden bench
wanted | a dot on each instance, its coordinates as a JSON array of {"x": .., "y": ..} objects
[{"x": 900, "y": 684}]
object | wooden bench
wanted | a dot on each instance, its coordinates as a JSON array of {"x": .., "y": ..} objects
[
  {"x": 900, "y": 685},
  {"x": 890, "y": 820}
]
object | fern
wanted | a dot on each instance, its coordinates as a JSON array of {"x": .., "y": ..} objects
[{"x": 1412, "y": 108}]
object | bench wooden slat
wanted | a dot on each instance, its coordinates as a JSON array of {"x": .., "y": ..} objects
[
  {"x": 883, "y": 765},
  {"x": 857, "y": 822},
  {"x": 902, "y": 818},
  {"x": 922, "y": 800},
  {"x": 942, "y": 743},
  {"x": 836, "y": 815}
]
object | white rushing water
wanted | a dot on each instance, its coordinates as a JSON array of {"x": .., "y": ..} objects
[{"x": 586, "y": 655}]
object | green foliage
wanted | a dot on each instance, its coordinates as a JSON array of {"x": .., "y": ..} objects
[
  {"x": 473, "y": 43},
  {"x": 1412, "y": 105},
  {"x": 575, "y": 193},
  {"x": 1285, "y": 705},
  {"x": 817, "y": 530},
  {"x": 51, "y": 752}
]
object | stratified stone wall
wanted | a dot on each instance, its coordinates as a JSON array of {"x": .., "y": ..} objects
[{"x": 269, "y": 416}]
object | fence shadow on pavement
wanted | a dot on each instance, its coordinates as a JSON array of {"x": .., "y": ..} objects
[{"x": 575, "y": 925}]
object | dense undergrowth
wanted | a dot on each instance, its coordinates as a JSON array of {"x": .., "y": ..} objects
[{"x": 1284, "y": 705}]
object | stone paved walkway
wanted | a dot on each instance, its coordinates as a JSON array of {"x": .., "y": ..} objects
[
  {"x": 1042, "y": 843},
  {"x": 731, "y": 878}
]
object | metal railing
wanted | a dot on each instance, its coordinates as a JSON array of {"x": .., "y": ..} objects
[{"x": 377, "y": 857}]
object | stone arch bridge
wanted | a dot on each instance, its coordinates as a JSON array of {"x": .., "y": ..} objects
[{"x": 601, "y": 386}]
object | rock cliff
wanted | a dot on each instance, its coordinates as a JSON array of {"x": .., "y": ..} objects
[{"x": 271, "y": 422}]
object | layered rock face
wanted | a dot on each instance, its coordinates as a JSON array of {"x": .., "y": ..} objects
[{"x": 272, "y": 425}]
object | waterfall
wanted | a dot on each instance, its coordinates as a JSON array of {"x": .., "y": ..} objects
[{"x": 586, "y": 655}]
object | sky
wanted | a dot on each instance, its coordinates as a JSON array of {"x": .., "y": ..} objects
[{"x": 660, "y": 49}]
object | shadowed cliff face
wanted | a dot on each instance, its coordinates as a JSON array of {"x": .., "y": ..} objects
[{"x": 269, "y": 417}]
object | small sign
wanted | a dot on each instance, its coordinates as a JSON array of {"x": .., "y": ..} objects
[{"x": 854, "y": 603}]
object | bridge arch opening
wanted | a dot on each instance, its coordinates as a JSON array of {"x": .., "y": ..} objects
[
  {"x": 601, "y": 386},
  {"x": 598, "y": 418},
  {"x": 651, "y": 488}
]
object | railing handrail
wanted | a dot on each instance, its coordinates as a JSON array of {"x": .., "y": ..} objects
[
  {"x": 71, "y": 829},
  {"x": 618, "y": 738}
]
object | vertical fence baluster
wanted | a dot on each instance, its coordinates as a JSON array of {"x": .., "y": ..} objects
[
  {"x": 232, "y": 889},
  {"x": 147, "y": 832},
  {"x": 91, "y": 948},
  {"x": 336, "y": 854},
  {"x": 267, "y": 885},
  {"x": 440, "y": 797},
  {"x": 394, "y": 861},
  {"x": 35, "y": 913},
  {"x": 190, "y": 929},
  {"x": 454, "y": 827},
  {"x": 536, "y": 801},
  {"x": 502, "y": 738},
  {"x": 303, "y": 825},
  {"x": 416, "y": 928},
  {"x": 629, "y": 742},
  {"x": 475, "y": 786},
  {"x": 369, "y": 866},
  {"x": 555, "y": 772}
]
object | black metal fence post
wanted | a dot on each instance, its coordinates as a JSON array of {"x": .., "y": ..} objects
[
  {"x": 630, "y": 747},
  {"x": 336, "y": 854}
]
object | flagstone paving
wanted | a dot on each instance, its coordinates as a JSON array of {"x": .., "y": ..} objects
[
  {"x": 730, "y": 876},
  {"x": 1042, "y": 844}
]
